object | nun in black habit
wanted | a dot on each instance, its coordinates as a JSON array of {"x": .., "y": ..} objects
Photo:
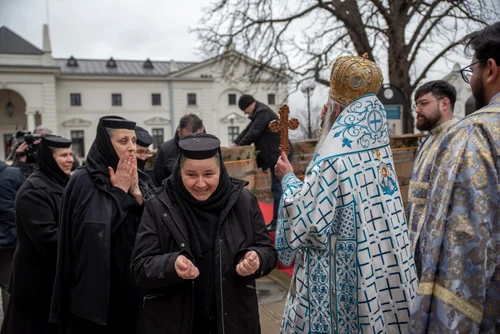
[
  {"x": 37, "y": 215},
  {"x": 201, "y": 244},
  {"x": 101, "y": 208}
]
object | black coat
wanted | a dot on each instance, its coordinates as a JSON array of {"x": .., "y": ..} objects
[
  {"x": 163, "y": 235},
  {"x": 165, "y": 160},
  {"x": 259, "y": 134},
  {"x": 97, "y": 234},
  {"x": 37, "y": 214},
  {"x": 11, "y": 179}
]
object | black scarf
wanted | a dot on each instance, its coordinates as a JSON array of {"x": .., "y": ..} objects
[
  {"x": 202, "y": 218},
  {"x": 47, "y": 164},
  {"x": 101, "y": 155},
  {"x": 141, "y": 164}
]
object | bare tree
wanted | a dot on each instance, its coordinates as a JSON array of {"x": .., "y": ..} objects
[
  {"x": 302, "y": 38},
  {"x": 301, "y": 133}
]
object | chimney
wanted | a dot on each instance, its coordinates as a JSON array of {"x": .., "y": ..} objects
[{"x": 173, "y": 66}]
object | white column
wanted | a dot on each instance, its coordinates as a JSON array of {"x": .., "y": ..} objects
[{"x": 31, "y": 119}]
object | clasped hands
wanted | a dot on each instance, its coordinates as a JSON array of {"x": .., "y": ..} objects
[
  {"x": 247, "y": 266},
  {"x": 126, "y": 177}
]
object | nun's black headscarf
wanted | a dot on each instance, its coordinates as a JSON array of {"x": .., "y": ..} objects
[
  {"x": 202, "y": 217},
  {"x": 46, "y": 161},
  {"x": 102, "y": 154}
]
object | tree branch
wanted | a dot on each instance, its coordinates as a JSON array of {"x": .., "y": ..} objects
[
  {"x": 423, "y": 21},
  {"x": 432, "y": 62}
]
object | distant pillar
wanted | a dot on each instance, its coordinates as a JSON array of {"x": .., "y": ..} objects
[{"x": 31, "y": 119}]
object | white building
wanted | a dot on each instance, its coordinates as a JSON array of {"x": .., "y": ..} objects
[
  {"x": 465, "y": 103},
  {"x": 70, "y": 95}
]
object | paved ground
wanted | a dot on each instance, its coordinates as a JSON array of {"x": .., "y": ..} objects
[
  {"x": 271, "y": 302},
  {"x": 270, "y": 308}
]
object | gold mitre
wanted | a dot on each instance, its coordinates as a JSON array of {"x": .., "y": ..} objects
[{"x": 353, "y": 77}]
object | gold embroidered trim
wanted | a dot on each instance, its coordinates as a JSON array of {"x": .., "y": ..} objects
[
  {"x": 425, "y": 288},
  {"x": 448, "y": 297},
  {"x": 420, "y": 224},
  {"x": 416, "y": 200},
  {"x": 487, "y": 110},
  {"x": 417, "y": 184}
]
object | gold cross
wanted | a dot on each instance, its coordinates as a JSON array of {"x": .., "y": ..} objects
[
  {"x": 282, "y": 125},
  {"x": 377, "y": 153}
]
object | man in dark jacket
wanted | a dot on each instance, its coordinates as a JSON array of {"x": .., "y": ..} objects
[
  {"x": 94, "y": 291},
  {"x": 265, "y": 141},
  {"x": 169, "y": 151},
  {"x": 144, "y": 140},
  {"x": 11, "y": 179},
  {"x": 37, "y": 217}
]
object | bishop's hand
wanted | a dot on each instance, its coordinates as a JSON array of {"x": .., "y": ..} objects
[
  {"x": 185, "y": 268},
  {"x": 283, "y": 166},
  {"x": 249, "y": 264}
]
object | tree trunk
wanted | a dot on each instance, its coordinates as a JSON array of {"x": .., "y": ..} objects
[{"x": 399, "y": 75}]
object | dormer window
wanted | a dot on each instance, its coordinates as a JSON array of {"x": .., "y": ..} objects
[
  {"x": 111, "y": 63},
  {"x": 148, "y": 64},
  {"x": 72, "y": 62}
]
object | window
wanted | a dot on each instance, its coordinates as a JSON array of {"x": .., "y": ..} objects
[
  {"x": 232, "y": 99},
  {"x": 232, "y": 133},
  {"x": 148, "y": 64},
  {"x": 77, "y": 143},
  {"x": 116, "y": 99},
  {"x": 156, "y": 99},
  {"x": 191, "y": 99},
  {"x": 271, "y": 99},
  {"x": 157, "y": 137},
  {"x": 72, "y": 62},
  {"x": 75, "y": 99},
  {"x": 111, "y": 63}
]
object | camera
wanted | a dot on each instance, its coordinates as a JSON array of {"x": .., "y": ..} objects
[{"x": 31, "y": 150}]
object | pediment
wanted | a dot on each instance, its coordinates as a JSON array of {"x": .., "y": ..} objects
[
  {"x": 77, "y": 122},
  {"x": 237, "y": 118},
  {"x": 157, "y": 121}
]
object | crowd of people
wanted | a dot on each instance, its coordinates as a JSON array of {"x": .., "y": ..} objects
[{"x": 113, "y": 247}]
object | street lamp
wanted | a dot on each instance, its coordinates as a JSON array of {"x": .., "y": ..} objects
[
  {"x": 9, "y": 107},
  {"x": 308, "y": 89}
]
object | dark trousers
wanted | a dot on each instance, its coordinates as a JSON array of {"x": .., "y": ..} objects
[{"x": 276, "y": 189}]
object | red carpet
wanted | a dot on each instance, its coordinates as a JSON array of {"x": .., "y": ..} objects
[{"x": 267, "y": 212}]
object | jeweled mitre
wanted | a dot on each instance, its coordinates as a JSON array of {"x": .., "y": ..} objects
[{"x": 353, "y": 77}]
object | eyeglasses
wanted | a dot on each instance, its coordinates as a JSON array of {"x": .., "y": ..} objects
[
  {"x": 467, "y": 72},
  {"x": 424, "y": 103}
]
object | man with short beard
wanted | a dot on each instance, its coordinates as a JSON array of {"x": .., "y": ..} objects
[
  {"x": 460, "y": 238},
  {"x": 434, "y": 103}
]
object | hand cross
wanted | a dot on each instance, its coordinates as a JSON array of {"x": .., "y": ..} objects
[{"x": 282, "y": 125}]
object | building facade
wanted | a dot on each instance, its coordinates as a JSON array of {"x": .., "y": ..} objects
[{"x": 70, "y": 95}]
